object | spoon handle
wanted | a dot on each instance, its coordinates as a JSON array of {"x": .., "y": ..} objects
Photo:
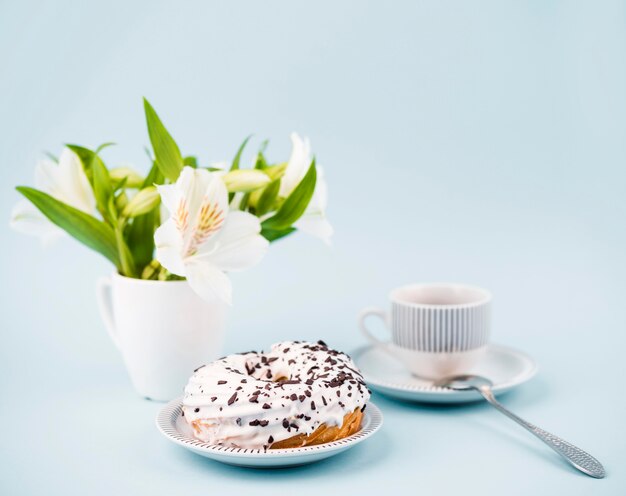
[{"x": 580, "y": 459}]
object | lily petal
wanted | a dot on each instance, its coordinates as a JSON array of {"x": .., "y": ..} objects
[
  {"x": 319, "y": 200},
  {"x": 209, "y": 282},
  {"x": 168, "y": 243},
  {"x": 299, "y": 163},
  {"x": 72, "y": 181},
  {"x": 198, "y": 204},
  {"x": 315, "y": 225},
  {"x": 66, "y": 181},
  {"x": 27, "y": 219},
  {"x": 238, "y": 245},
  {"x": 313, "y": 221}
]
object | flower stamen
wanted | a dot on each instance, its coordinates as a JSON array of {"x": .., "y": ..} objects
[
  {"x": 182, "y": 216},
  {"x": 210, "y": 220}
]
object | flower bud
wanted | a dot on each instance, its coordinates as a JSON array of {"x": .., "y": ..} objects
[
  {"x": 133, "y": 179},
  {"x": 121, "y": 201},
  {"x": 276, "y": 171},
  {"x": 244, "y": 181},
  {"x": 144, "y": 201}
]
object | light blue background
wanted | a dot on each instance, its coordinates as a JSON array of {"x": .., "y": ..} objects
[{"x": 480, "y": 142}]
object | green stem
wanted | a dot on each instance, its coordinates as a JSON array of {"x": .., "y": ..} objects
[{"x": 127, "y": 264}]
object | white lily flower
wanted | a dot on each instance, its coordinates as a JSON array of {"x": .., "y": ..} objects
[
  {"x": 66, "y": 182},
  {"x": 313, "y": 221},
  {"x": 202, "y": 240}
]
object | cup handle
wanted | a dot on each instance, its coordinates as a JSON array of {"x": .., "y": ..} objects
[
  {"x": 105, "y": 305},
  {"x": 380, "y": 313}
]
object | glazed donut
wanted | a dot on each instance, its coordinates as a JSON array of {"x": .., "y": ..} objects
[{"x": 295, "y": 395}]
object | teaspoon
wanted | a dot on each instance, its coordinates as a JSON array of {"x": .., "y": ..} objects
[{"x": 580, "y": 459}]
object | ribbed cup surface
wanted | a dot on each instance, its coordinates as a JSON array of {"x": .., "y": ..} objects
[{"x": 442, "y": 329}]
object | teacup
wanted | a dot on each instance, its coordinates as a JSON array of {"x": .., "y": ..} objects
[{"x": 437, "y": 330}]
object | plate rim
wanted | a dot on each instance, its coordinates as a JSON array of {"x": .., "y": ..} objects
[
  {"x": 440, "y": 391},
  {"x": 169, "y": 413}
]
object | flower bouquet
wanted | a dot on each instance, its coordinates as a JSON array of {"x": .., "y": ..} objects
[{"x": 173, "y": 236}]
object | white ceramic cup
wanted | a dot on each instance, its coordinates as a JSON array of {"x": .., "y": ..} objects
[
  {"x": 437, "y": 330},
  {"x": 163, "y": 329}
]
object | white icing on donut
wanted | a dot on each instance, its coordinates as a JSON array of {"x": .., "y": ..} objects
[{"x": 238, "y": 403}]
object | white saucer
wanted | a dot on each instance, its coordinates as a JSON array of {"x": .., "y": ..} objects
[
  {"x": 505, "y": 367},
  {"x": 172, "y": 425}
]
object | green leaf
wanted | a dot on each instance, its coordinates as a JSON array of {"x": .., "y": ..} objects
[
  {"x": 295, "y": 205},
  {"x": 235, "y": 165},
  {"x": 237, "y": 158},
  {"x": 90, "y": 231},
  {"x": 166, "y": 151},
  {"x": 139, "y": 234},
  {"x": 103, "y": 146},
  {"x": 273, "y": 235},
  {"x": 261, "y": 162},
  {"x": 154, "y": 176},
  {"x": 86, "y": 157},
  {"x": 245, "y": 201},
  {"x": 191, "y": 161},
  {"x": 140, "y": 237},
  {"x": 267, "y": 198},
  {"x": 127, "y": 263},
  {"x": 103, "y": 190}
]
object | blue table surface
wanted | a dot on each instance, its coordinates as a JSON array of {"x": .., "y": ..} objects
[{"x": 478, "y": 142}]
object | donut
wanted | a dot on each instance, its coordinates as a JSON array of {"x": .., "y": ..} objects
[{"x": 297, "y": 394}]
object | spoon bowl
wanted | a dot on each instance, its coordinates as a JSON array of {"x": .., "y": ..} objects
[{"x": 464, "y": 382}]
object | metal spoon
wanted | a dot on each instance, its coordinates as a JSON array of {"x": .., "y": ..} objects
[{"x": 580, "y": 459}]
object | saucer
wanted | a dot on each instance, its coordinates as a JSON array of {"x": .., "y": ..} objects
[
  {"x": 172, "y": 425},
  {"x": 505, "y": 367}
]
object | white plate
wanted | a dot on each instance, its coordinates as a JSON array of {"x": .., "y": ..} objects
[
  {"x": 173, "y": 426},
  {"x": 505, "y": 367}
]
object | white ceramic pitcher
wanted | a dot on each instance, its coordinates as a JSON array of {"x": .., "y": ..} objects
[{"x": 163, "y": 329}]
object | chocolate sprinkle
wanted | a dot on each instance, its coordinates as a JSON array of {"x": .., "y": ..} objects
[{"x": 232, "y": 399}]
